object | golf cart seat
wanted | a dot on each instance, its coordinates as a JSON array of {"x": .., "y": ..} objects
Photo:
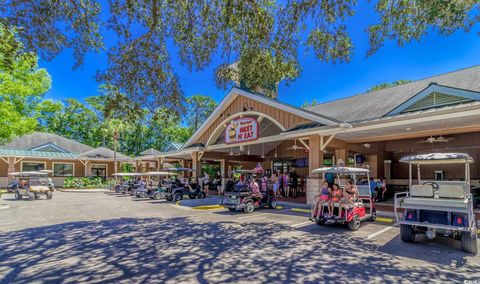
[
  {"x": 39, "y": 188},
  {"x": 357, "y": 203},
  {"x": 449, "y": 197}
]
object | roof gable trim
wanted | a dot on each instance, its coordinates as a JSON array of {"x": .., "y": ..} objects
[
  {"x": 431, "y": 89},
  {"x": 235, "y": 92}
]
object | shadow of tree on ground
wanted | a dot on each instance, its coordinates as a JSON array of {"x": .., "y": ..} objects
[{"x": 179, "y": 250}]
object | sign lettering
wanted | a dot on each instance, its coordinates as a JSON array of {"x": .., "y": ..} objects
[{"x": 241, "y": 130}]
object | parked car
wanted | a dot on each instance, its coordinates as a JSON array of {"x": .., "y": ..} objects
[{"x": 438, "y": 208}]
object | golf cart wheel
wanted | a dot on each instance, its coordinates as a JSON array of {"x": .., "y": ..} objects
[
  {"x": 157, "y": 196},
  {"x": 469, "y": 242},
  {"x": 31, "y": 196},
  {"x": 354, "y": 224},
  {"x": 249, "y": 207},
  {"x": 320, "y": 221},
  {"x": 202, "y": 195},
  {"x": 407, "y": 234},
  {"x": 49, "y": 195},
  {"x": 17, "y": 195},
  {"x": 177, "y": 197},
  {"x": 272, "y": 204},
  {"x": 374, "y": 215}
]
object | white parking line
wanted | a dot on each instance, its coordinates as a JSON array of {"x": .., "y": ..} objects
[
  {"x": 371, "y": 236},
  {"x": 303, "y": 224}
]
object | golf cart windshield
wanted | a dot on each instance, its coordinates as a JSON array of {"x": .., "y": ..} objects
[{"x": 159, "y": 173}]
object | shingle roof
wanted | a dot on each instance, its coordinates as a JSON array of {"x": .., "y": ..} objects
[
  {"x": 102, "y": 153},
  {"x": 305, "y": 126},
  {"x": 35, "y": 139},
  {"x": 150, "y": 151},
  {"x": 378, "y": 103},
  {"x": 4, "y": 152}
]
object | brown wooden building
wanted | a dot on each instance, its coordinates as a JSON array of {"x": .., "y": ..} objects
[
  {"x": 374, "y": 130},
  {"x": 65, "y": 157}
]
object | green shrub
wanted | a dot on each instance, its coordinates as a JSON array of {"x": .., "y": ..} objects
[{"x": 83, "y": 182}]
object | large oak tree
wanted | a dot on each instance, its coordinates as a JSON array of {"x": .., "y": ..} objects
[{"x": 262, "y": 36}]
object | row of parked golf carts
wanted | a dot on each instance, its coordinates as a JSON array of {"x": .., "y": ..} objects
[
  {"x": 163, "y": 184},
  {"x": 31, "y": 185}
]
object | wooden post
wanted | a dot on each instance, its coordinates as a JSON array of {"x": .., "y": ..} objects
[{"x": 315, "y": 160}]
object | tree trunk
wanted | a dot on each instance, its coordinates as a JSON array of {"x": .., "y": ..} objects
[{"x": 115, "y": 139}]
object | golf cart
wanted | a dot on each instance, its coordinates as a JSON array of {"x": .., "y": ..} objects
[
  {"x": 151, "y": 191},
  {"x": 176, "y": 190},
  {"x": 438, "y": 208},
  {"x": 48, "y": 181},
  {"x": 361, "y": 209},
  {"x": 12, "y": 184},
  {"x": 242, "y": 197},
  {"x": 30, "y": 185},
  {"x": 127, "y": 183}
]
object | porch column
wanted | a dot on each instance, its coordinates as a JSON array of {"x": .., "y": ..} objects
[
  {"x": 11, "y": 165},
  {"x": 341, "y": 154},
  {"x": 315, "y": 160},
  {"x": 196, "y": 166},
  {"x": 223, "y": 172}
]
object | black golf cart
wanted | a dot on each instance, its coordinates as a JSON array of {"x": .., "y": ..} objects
[
  {"x": 177, "y": 190},
  {"x": 242, "y": 197}
]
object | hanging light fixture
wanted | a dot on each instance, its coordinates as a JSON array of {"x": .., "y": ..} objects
[
  {"x": 276, "y": 152},
  {"x": 263, "y": 151}
]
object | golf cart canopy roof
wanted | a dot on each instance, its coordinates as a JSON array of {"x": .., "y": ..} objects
[
  {"x": 177, "y": 169},
  {"x": 340, "y": 170},
  {"x": 28, "y": 174},
  {"x": 127, "y": 174},
  {"x": 438, "y": 158},
  {"x": 46, "y": 171},
  {"x": 237, "y": 171},
  {"x": 159, "y": 173}
]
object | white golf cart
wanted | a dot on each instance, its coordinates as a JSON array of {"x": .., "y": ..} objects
[
  {"x": 362, "y": 209},
  {"x": 438, "y": 207},
  {"x": 31, "y": 185}
]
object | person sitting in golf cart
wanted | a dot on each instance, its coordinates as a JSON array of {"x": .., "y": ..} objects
[
  {"x": 321, "y": 199},
  {"x": 351, "y": 192},
  {"x": 336, "y": 197},
  {"x": 254, "y": 188}
]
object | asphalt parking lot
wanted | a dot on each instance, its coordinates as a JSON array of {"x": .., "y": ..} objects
[{"x": 109, "y": 237}]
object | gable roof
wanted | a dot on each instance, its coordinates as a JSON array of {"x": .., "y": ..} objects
[
  {"x": 37, "y": 139},
  {"x": 150, "y": 151},
  {"x": 102, "y": 153},
  {"x": 435, "y": 96},
  {"x": 235, "y": 92},
  {"x": 173, "y": 146},
  {"x": 379, "y": 103},
  {"x": 4, "y": 152}
]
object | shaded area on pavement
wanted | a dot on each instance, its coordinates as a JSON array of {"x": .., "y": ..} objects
[{"x": 181, "y": 250}]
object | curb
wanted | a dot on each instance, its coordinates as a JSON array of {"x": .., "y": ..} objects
[
  {"x": 82, "y": 190},
  {"x": 208, "y": 207}
]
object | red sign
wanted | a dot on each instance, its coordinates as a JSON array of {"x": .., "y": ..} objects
[{"x": 241, "y": 130}]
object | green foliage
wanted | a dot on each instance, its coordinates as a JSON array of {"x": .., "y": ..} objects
[
  {"x": 387, "y": 85},
  {"x": 263, "y": 37},
  {"x": 22, "y": 85},
  {"x": 83, "y": 182},
  {"x": 199, "y": 108},
  {"x": 309, "y": 104}
]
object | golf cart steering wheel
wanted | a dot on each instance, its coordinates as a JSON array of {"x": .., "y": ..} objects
[{"x": 433, "y": 184}]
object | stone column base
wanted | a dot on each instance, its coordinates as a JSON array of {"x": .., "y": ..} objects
[{"x": 313, "y": 188}]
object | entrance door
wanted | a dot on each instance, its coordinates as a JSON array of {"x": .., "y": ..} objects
[{"x": 99, "y": 171}]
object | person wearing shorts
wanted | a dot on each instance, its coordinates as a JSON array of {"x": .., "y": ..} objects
[
  {"x": 321, "y": 199},
  {"x": 337, "y": 196}
]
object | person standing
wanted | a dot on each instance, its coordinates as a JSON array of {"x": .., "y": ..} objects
[
  {"x": 206, "y": 183},
  {"x": 275, "y": 183},
  {"x": 294, "y": 183}
]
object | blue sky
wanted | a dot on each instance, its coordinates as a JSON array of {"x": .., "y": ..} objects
[{"x": 434, "y": 54}]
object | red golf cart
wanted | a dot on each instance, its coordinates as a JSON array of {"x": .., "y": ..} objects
[{"x": 362, "y": 209}]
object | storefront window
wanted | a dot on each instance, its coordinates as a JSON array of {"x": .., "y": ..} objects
[
  {"x": 32, "y": 166},
  {"x": 63, "y": 170}
]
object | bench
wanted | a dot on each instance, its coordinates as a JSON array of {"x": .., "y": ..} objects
[{"x": 448, "y": 196}]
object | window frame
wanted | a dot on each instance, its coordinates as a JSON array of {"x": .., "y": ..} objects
[
  {"x": 32, "y": 162},
  {"x": 63, "y": 163}
]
